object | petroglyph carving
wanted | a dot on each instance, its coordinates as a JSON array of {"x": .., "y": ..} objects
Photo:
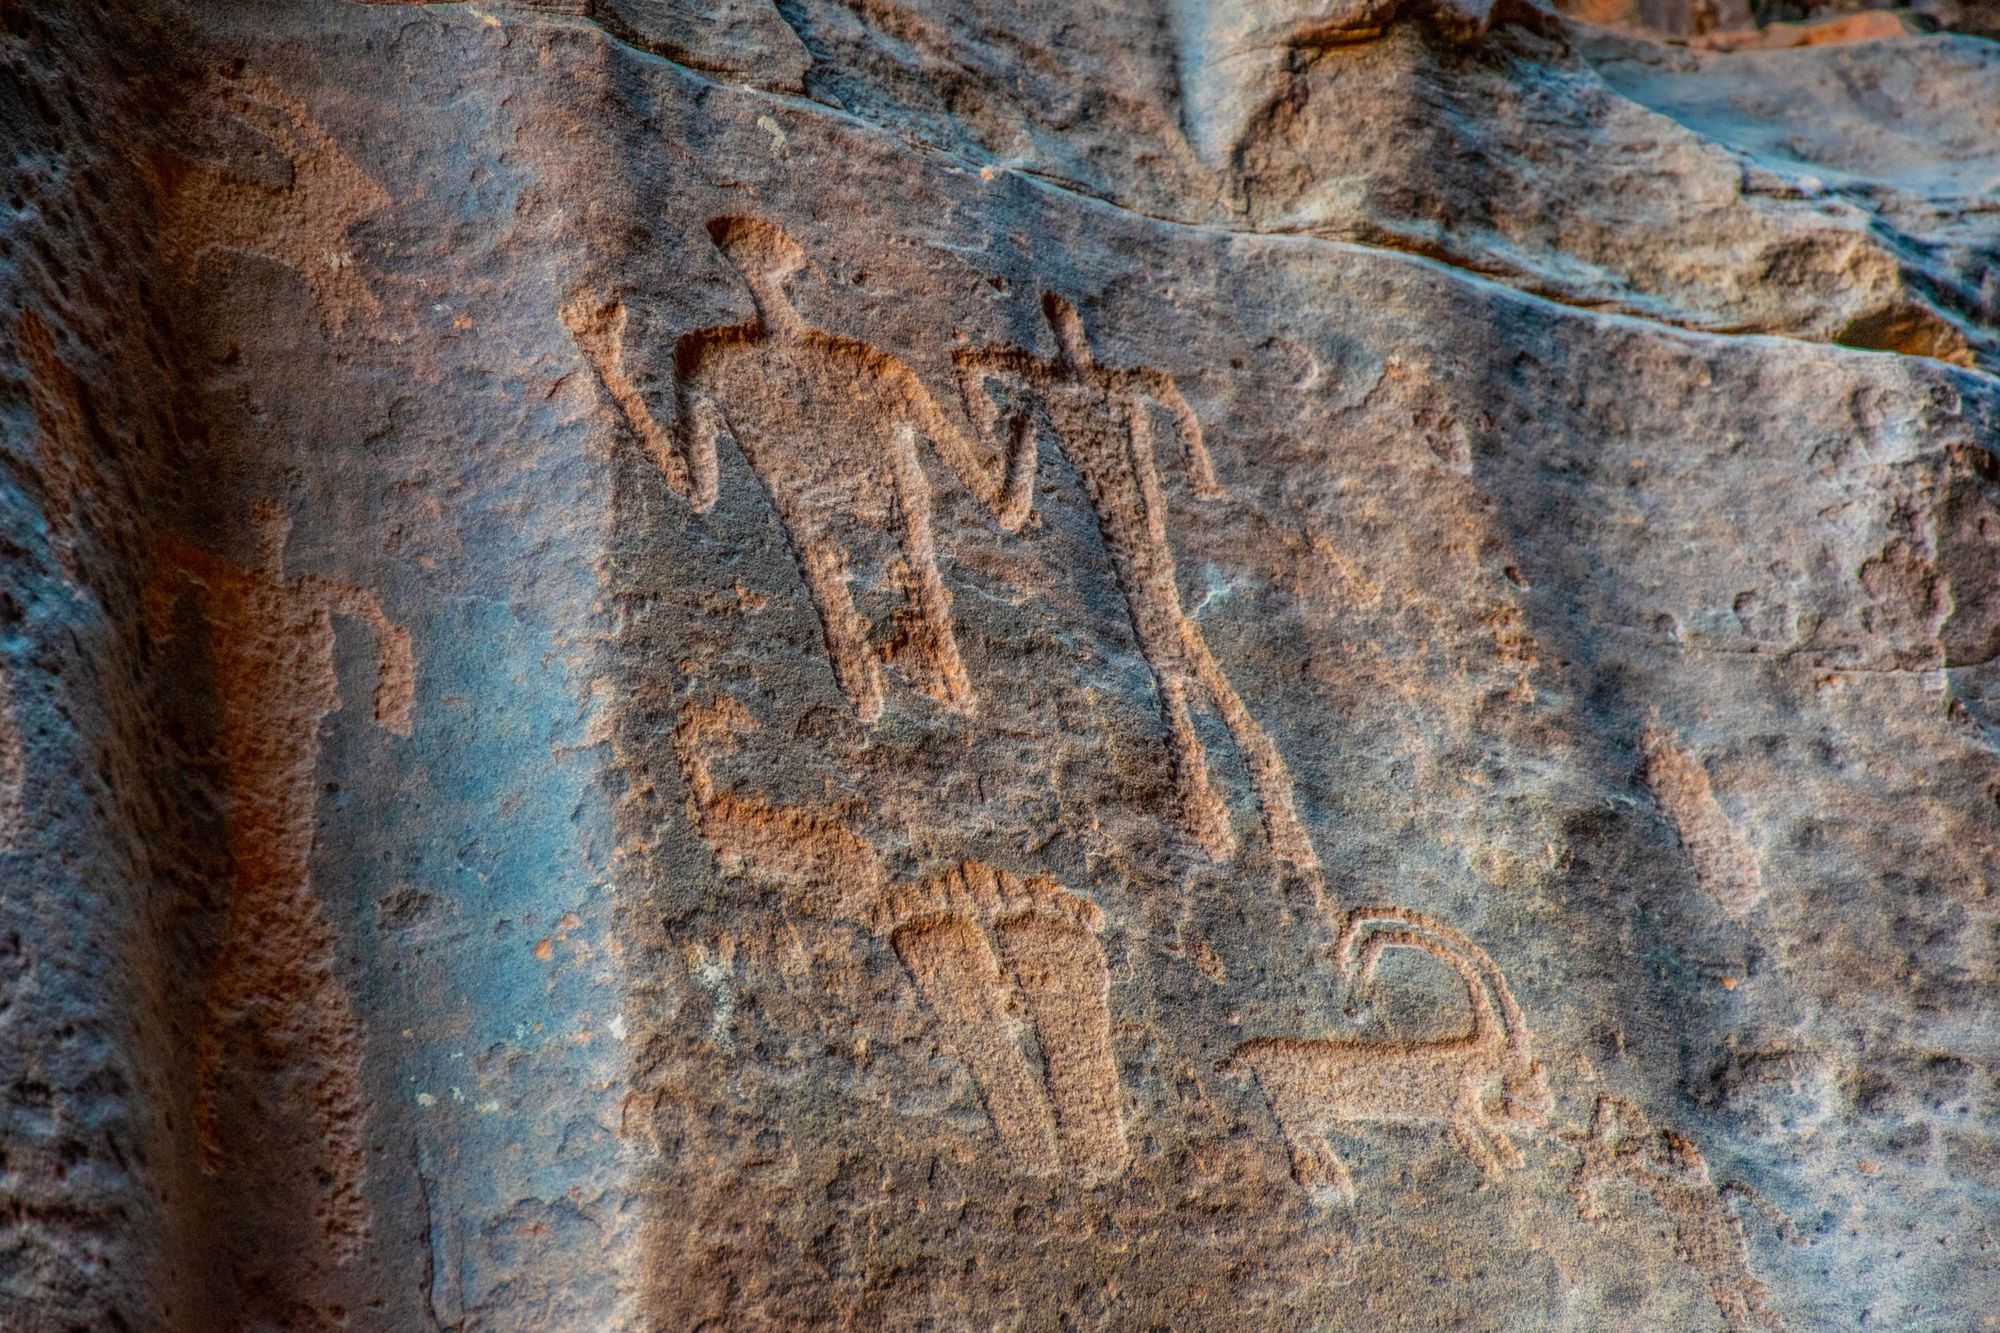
[
  {"x": 1622, "y": 1145},
  {"x": 67, "y": 477},
  {"x": 598, "y": 325},
  {"x": 275, "y": 986},
  {"x": 830, "y": 426},
  {"x": 1723, "y": 860},
  {"x": 711, "y": 964},
  {"x": 1050, "y": 957},
  {"x": 955, "y": 971},
  {"x": 1103, "y": 422},
  {"x": 13, "y": 767},
  {"x": 977, "y": 942},
  {"x": 302, "y": 222},
  {"x": 1310, "y": 1082},
  {"x": 747, "y": 41},
  {"x": 829, "y": 870}
]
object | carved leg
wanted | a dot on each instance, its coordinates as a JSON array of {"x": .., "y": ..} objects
[
  {"x": 855, "y": 667},
  {"x": 1467, "y": 1130},
  {"x": 1315, "y": 1166},
  {"x": 931, "y": 640},
  {"x": 276, "y": 989},
  {"x": 1135, "y": 530},
  {"x": 955, "y": 971},
  {"x": 1501, "y": 1142},
  {"x": 338, "y": 1105},
  {"x": 1201, "y": 810},
  {"x": 1268, "y": 773},
  {"x": 1060, "y": 969},
  {"x": 248, "y": 979},
  {"x": 209, "y": 1049}
]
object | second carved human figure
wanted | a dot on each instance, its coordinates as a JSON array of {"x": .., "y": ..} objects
[{"x": 1102, "y": 418}]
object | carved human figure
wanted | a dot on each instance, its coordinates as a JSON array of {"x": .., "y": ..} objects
[
  {"x": 1621, "y": 1145},
  {"x": 830, "y": 425},
  {"x": 66, "y": 473},
  {"x": 1311, "y": 1082},
  {"x": 274, "y": 996},
  {"x": 1102, "y": 419},
  {"x": 13, "y": 767},
  {"x": 978, "y": 944},
  {"x": 300, "y": 219}
]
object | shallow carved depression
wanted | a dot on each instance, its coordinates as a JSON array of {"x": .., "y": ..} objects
[{"x": 931, "y": 664}]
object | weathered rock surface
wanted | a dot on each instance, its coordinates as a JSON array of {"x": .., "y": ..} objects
[{"x": 939, "y": 664}]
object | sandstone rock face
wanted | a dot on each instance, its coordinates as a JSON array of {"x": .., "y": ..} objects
[{"x": 935, "y": 664}]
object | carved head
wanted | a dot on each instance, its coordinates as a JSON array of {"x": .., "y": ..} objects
[
  {"x": 271, "y": 527},
  {"x": 760, "y": 250},
  {"x": 1072, "y": 346}
]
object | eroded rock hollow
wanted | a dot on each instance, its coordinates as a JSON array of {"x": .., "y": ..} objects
[{"x": 1156, "y": 664}]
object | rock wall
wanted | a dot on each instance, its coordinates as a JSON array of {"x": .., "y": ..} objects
[{"x": 935, "y": 664}]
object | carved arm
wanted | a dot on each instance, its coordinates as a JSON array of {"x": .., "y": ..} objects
[
  {"x": 1015, "y": 497},
  {"x": 698, "y": 423},
  {"x": 1187, "y": 429}
]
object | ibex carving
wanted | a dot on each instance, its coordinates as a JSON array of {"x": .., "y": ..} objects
[{"x": 1312, "y": 1081}]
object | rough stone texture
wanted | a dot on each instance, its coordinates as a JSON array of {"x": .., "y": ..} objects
[{"x": 928, "y": 663}]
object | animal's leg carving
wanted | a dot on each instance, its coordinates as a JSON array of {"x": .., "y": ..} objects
[
  {"x": 1483, "y": 1145},
  {"x": 1502, "y": 1145},
  {"x": 960, "y": 980},
  {"x": 1315, "y": 1165}
]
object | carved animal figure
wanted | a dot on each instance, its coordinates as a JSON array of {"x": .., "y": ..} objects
[
  {"x": 827, "y": 869},
  {"x": 979, "y": 944},
  {"x": 1621, "y": 1145},
  {"x": 1312, "y": 1082},
  {"x": 1102, "y": 419},
  {"x": 275, "y": 987},
  {"x": 830, "y": 425},
  {"x": 301, "y": 222}
]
